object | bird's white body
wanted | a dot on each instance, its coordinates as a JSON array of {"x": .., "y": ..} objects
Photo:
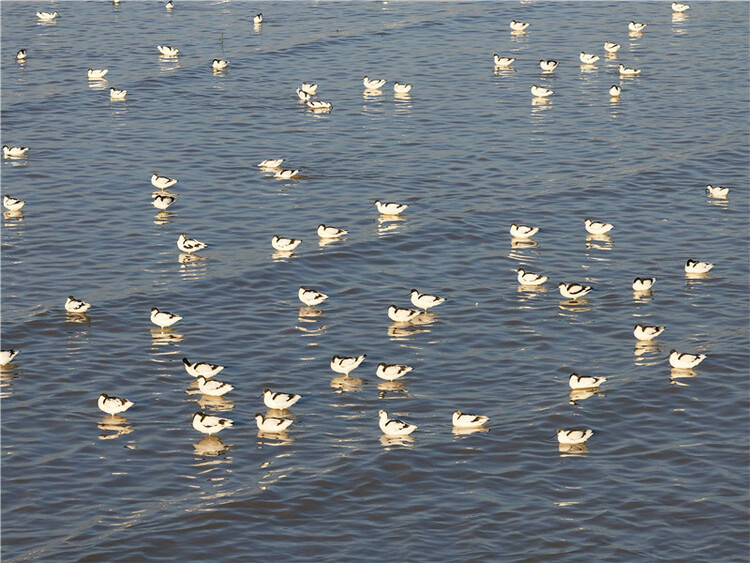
[
  {"x": 391, "y": 372},
  {"x": 373, "y": 83},
  {"x": 319, "y": 105},
  {"x": 97, "y": 73},
  {"x": 588, "y": 58},
  {"x": 12, "y": 203},
  {"x": 219, "y": 64},
  {"x": 573, "y": 290},
  {"x": 113, "y": 405},
  {"x": 189, "y": 245},
  {"x": 168, "y": 51},
  {"x": 574, "y": 436},
  {"x": 346, "y": 365},
  {"x": 162, "y": 182},
  {"x": 284, "y": 244},
  {"x": 47, "y": 16},
  {"x": 548, "y": 65},
  {"x": 503, "y": 61},
  {"x": 643, "y": 284},
  {"x": 6, "y": 356},
  {"x": 202, "y": 369},
  {"x": 530, "y": 278},
  {"x": 523, "y": 231},
  {"x": 636, "y": 26},
  {"x": 518, "y": 26},
  {"x": 14, "y": 151},
  {"x": 208, "y": 424},
  {"x": 258, "y": 18},
  {"x": 679, "y": 8},
  {"x": 309, "y": 88},
  {"x": 540, "y": 91},
  {"x": 213, "y": 387},
  {"x": 21, "y": 55},
  {"x": 597, "y": 227},
  {"x": 303, "y": 96},
  {"x": 279, "y": 400},
  {"x": 73, "y": 305},
  {"x": 272, "y": 424},
  {"x": 163, "y": 319},
  {"x": 390, "y": 208},
  {"x": 627, "y": 71},
  {"x": 400, "y": 88},
  {"x": 425, "y": 300},
  {"x": 310, "y": 297},
  {"x": 611, "y": 47},
  {"x": 585, "y": 382},
  {"x": 115, "y": 94},
  {"x": 717, "y": 191},
  {"x": 286, "y": 174},
  {"x": 326, "y": 231},
  {"x": 614, "y": 91},
  {"x": 402, "y": 315},
  {"x": 684, "y": 361},
  {"x": 169, "y": 5},
  {"x": 697, "y": 267},
  {"x": 645, "y": 333},
  {"x": 163, "y": 201},
  {"x": 393, "y": 427},
  {"x": 271, "y": 163},
  {"x": 461, "y": 420}
]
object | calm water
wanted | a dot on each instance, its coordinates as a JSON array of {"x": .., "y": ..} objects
[{"x": 665, "y": 475}]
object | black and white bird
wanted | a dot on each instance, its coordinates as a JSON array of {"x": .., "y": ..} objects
[
  {"x": 685, "y": 361},
  {"x": 402, "y": 314},
  {"x": 279, "y": 401},
  {"x": 597, "y": 227},
  {"x": 548, "y": 65},
  {"x": 208, "y": 424},
  {"x": 6, "y": 356},
  {"x": 271, "y": 163},
  {"x": 585, "y": 381},
  {"x": 189, "y": 245},
  {"x": 679, "y": 8},
  {"x": 541, "y": 91},
  {"x": 717, "y": 191},
  {"x": 522, "y": 231},
  {"x": 311, "y": 297},
  {"x": 73, "y": 305},
  {"x": 258, "y": 18},
  {"x": 326, "y": 231},
  {"x": 465, "y": 420},
  {"x": 219, "y": 64},
  {"x": 530, "y": 278},
  {"x": 401, "y": 88},
  {"x": 645, "y": 332},
  {"x": 162, "y": 182},
  {"x": 518, "y": 26},
  {"x": 284, "y": 244},
  {"x": 425, "y": 300},
  {"x": 116, "y": 94},
  {"x": 47, "y": 16},
  {"x": 163, "y": 201},
  {"x": 643, "y": 284},
  {"x": 319, "y": 105},
  {"x": 21, "y": 55},
  {"x": 503, "y": 61},
  {"x": 12, "y": 203},
  {"x": 588, "y": 58},
  {"x": 272, "y": 424},
  {"x": 390, "y": 207},
  {"x": 113, "y": 405},
  {"x": 309, "y": 88},
  {"x": 346, "y": 365},
  {"x": 14, "y": 151},
  {"x": 636, "y": 26},
  {"x": 611, "y": 47},
  {"x": 97, "y": 73},
  {"x": 629, "y": 71},
  {"x": 168, "y": 50},
  {"x": 573, "y": 290},
  {"x": 394, "y": 427},
  {"x": 697, "y": 267},
  {"x": 202, "y": 369},
  {"x": 373, "y": 83},
  {"x": 574, "y": 435},
  {"x": 286, "y": 174},
  {"x": 391, "y": 372},
  {"x": 614, "y": 91},
  {"x": 163, "y": 319},
  {"x": 213, "y": 387},
  {"x": 169, "y": 5},
  {"x": 303, "y": 96}
]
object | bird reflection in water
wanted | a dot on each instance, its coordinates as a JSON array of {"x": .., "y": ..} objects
[
  {"x": 403, "y": 331},
  {"x": 165, "y": 336},
  {"x": 523, "y": 243},
  {"x": 210, "y": 446},
  {"x": 388, "y": 441},
  {"x": 192, "y": 266},
  {"x": 575, "y": 305},
  {"x": 396, "y": 388},
  {"x": 310, "y": 316},
  {"x": 7, "y": 376},
  {"x": 163, "y": 218},
  {"x": 578, "y": 395},
  {"x": 77, "y": 318},
  {"x": 643, "y": 296},
  {"x": 323, "y": 242},
  {"x": 13, "y": 216},
  {"x": 423, "y": 319},
  {"x": 598, "y": 242},
  {"x": 460, "y": 432},
  {"x": 116, "y": 424},
  {"x": 389, "y": 224},
  {"x": 676, "y": 373},
  {"x": 282, "y": 255},
  {"x": 347, "y": 383},
  {"x": 274, "y": 438},
  {"x": 209, "y": 402},
  {"x": 573, "y": 449}
]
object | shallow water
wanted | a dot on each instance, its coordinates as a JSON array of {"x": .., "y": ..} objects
[{"x": 665, "y": 475}]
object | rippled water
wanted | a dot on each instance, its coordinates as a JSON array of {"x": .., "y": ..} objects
[{"x": 665, "y": 475}]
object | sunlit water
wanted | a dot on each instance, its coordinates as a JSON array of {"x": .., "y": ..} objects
[{"x": 665, "y": 475}]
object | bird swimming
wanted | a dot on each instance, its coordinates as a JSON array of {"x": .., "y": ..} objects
[
  {"x": 272, "y": 424},
  {"x": 21, "y": 55},
  {"x": 636, "y": 26},
  {"x": 614, "y": 91},
  {"x": 202, "y": 369},
  {"x": 115, "y": 94},
  {"x": 47, "y": 16},
  {"x": 391, "y": 372},
  {"x": 541, "y": 92},
  {"x": 685, "y": 361},
  {"x": 697, "y": 267},
  {"x": 611, "y": 47},
  {"x": 309, "y": 88},
  {"x": 279, "y": 401},
  {"x": 189, "y": 245},
  {"x": 97, "y": 73},
  {"x": 588, "y": 58},
  {"x": 643, "y": 284},
  {"x": 597, "y": 227},
  {"x": 646, "y": 333},
  {"x": 219, "y": 64},
  {"x": 717, "y": 191},
  {"x": 163, "y": 201},
  {"x": 6, "y": 356},
  {"x": 113, "y": 405},
  {"x": 390, "y": 208},
  {"x": 503, "y": 61},
  {"x": 530, "y": 278},
  {"x": 585, "y": 382},
  {"x": 284, "y": 244},
  {"x": 163, "y": 319},
  {"x": 271, "y": 163},
  {"x": 627, "y": 71},
  {"x": 213, "y": 387},
  {"x": 400, "y": 88},
  {"x": 462, "y": 420},
  {"x": 12, "y": 203},
  {"x": 326, "y": 231},
  {"x": 286, "y": 174},
  {"x": 402, "y": 315},
  {"x": 258, "y": 18},
  {"x": 310, "y": 297},
  {"x": 208, "y": 424},
  {"x": 679, "y": 8},
  {"x": 573, "y": 436},
  {"x": 14, "y": 151},
  {"x": 573, "y": 290},
  {"x": 73, "y": 305},
  {"x": 424, "y": 300},
  {"x": 522, "y": 231},
  {"x": 168, "y": 50},
  {"x": 548, "y": 66},
  {"x": 303, "y": 96},
  {"x": 393, "y": 427},
  {"x": 373, "y": 83},
  {"x": 319, "y": 105},
  {"x": 518, "y": 26}
]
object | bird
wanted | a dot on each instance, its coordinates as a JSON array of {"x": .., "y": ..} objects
[
  {"x": 97, "y": 73},
  {"x": 21, "y": 55},
  {"x": 346, "y": 365},
  {"x": 522, "y": 231},
  {"x": 588, "y": 58},
  {"x": 6, "y": 356},
  {"x": 391, "y": 372},
  {"x": 645, "y": 333},
  {"x": 309, "y": 88},
  {"x": 503, "y": 61},
  {"x": 310, "y": 297},
  {"x": 684, "y": 361},
  {"x": 373, "y": 83},
  {"x": 47, "y": 16},
  {"x": 162, "y": 182},
  {"x": 390, "y": 207},
  {"x": 303, "y": 96},
  {"x": 113, "y": 405},
  {"x": 424, "y": 300},
  {"x": 626, "y": 71},
  {"x": 163, "y": 319},
  {"x": 402, "y": 315},
  {"x": 540, "y": 91},
  {"x": 585, "y": 382},
  {"x": 697, "y": 267},
  {"x": 115, "y": 94},
  {"x": 284, "y": 244},
  {"x": 319, "y": 105},
  {"x": 614, "y": 91},
  {"x": 212, "y": 387},
  {"x": 643, "y": 284},
  {"x": 573, "y": 290},
  {"x": 202, "y": 369},
  {"x": 208, "y": 424},
  {"x": 279, "y": 400},
  {"x": 169, "y": 5},
  {"x": 12, "y": 203},
  {"x": 286, "y": 174},
  {"x": 574, "y": 435},
  {"x": 717, "y": 191},
  {"x": 548, "y": 65},
  {"x": 272, "y": 423},
  {"x": 258, "y": 18},
  {"x": 636, "y": 26},
  {"x": 464, "y": 420},
  {"x": 400, "y": 88},
  {"x": 189, "y": 245},
  {"x": 679, "y": 8},
  {"x": 530, "y": 278},
  {"x": 73, "y": 305},
  {"x": 14, "y": 151},
  {"x": 518, "y": 26},
  {"x": 326, "y": 231},
  {"x": 611, "y": 47},
  {"x": 597, "y": 227},
  {"x": 163, "y": 201},
  {"x": 271, "y": 163},
  {"x": 168, "y": 50},
  {"x": 219, "y": 64},
  {"x": 393, "y": 427}
]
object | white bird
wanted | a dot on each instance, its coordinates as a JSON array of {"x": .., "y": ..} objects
[
  {"x": 309, "y": 88},
  {"x": 12, "y": 203},
  {"x": 522, "y": 231},
  {"x": 14, "y": 151},
  {"x": 163, "y": 319},
  {"x": 346, "y": 365},
  {"x": 400, "y": 88},
  {"x": 717, "y": 191},
  {"x": 573, "y": 436},
  {"x": 393, "y": 427},
  {"x": 73, "y": 305},
  {"x": 168, "y": 51},
  {"x": 585, "y": 382},
  {"x": 272, "y": 424},
  {"x": 463, "y": 420},
  {"x": 391, "y": 372},
  {"x": 202, "y": 369},
  {"x": 503, "y": 61},
  {"x": 684, "y": 361},
  {"x": 169, "y": 5},
  {"x": 284, "y": 244},
  {"x": 286, "y": 174},
  {"x": 697, "y": 267},
  {"x": 6, "y": 356},
  {"x": 304, "y": 96},
  {"x": 47, "y": 16},
  {"x": 614, "y": 91},
  {"x": 390, "y": 208},
  {"x": 212, "y": 387},
  {"x": 163, "y": 201},
  {"x": 97, "y": 73},
  {"x": 518, "y": 26},
  {"x": 271, "y": 163},
  {"x": 425, "y": 300},
  {"x": 643, "y": 284},
  {"x": 319, "y": 105},
  {"x": 679, "y": 8},
  {"x": 279, "y": 400},
  {"x": 208, "y": 424},
  {"x": 258, "y": 18},
  {"x": 540, "y": 91},
  {"x": 645, "y": 333},
  {"x": 115, "y": 94},
  {"x": 530, "y": 278},
  {"x": 113, "y": 405},
  {"x": 162, "y": 182},
  {"x": 326, "y": 231},
  {"x": 548, "y": 65},
  {"x": 189, "y": 245},
  {"x": 597, "y": 227},
  {"x": 310, "y": 297},
  {"x": 627, "y": 71},
  {"x": 573, "y": 290},
  {"x": 611, "y": 47},
  {"x": 588, "y": 58},
  {"x": 373, "y": 83},
  {"x": 402, "y": 315},
  {"x": 636, "y": 26},
  {"x": 21, "y": 55},
  {"x": 219, "y": 64}
]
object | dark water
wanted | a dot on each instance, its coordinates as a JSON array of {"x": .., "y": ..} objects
[{"x": 665, "y": 475}]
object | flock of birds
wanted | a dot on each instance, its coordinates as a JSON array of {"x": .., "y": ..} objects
[{"x": 276, "y": 421}]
